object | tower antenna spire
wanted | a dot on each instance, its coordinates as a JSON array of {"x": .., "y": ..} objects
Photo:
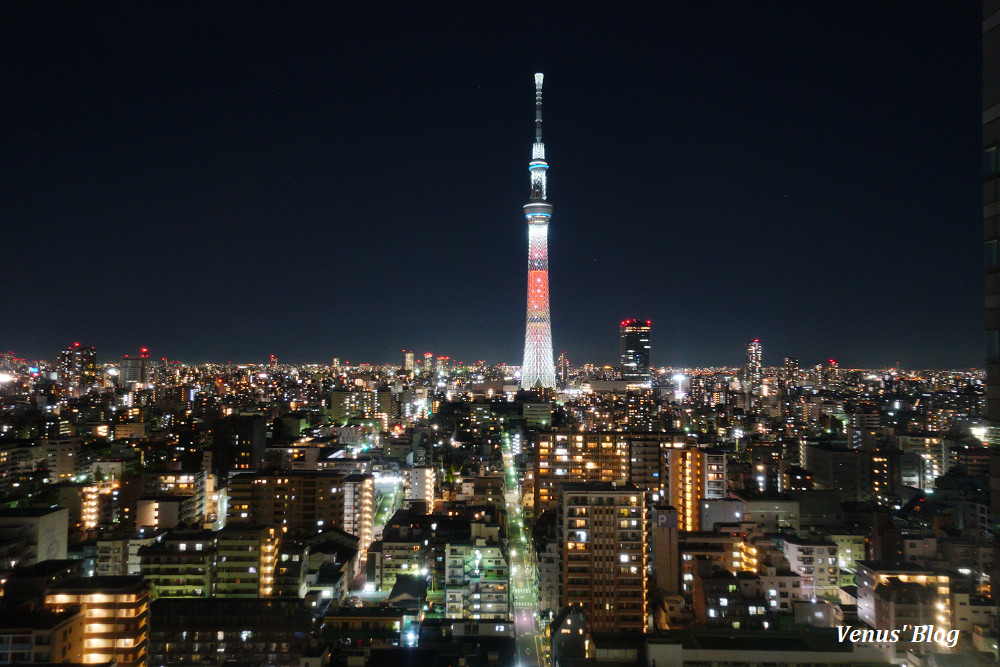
[{"x": 538, "y": 107}]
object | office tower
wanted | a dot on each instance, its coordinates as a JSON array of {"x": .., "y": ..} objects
[
  {"x": 78, "y": 368},
  {"x": 563, "y": 367},
  {"x": 408, "y": 361},
  {"x": 991, "y": 227},
  {"x": 538, "y": 370},
  {"x": 428, "y": 362},
  {"x": 443, "y": 366},
  {"x": 635, "y": 351},
  {"x": 753, "y": 374},
  {"x": 791, "y": 367},
  {"x": 135, "y": 369},
  {"x": 116, "y": 627},
  {"x": 602, "y": 549}
]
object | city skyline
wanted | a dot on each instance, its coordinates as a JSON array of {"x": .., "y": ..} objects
[{"x": 163, "y": 192}]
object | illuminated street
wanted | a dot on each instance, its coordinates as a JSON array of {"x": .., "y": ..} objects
[{"x": 524, "y": 593}]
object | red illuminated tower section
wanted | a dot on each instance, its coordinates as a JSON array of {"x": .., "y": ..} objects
[{"x": 538, "y": 370}]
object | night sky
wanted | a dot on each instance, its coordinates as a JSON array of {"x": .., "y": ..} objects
[{"x": 227, "y": 181}]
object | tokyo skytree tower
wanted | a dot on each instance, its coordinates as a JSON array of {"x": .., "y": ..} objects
[{"x": 538, "y": 370}]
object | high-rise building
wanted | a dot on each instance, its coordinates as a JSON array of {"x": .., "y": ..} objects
[
  {"x": 692, "y": 475},
  {"x": 991, "y": 227},
  {"x": 238, "y": 443},
  {"x": 635, "y": 351},
  {"x": 359, "y": 514},
  {"x": 665, "y": 466},
  {"x": 602, "y": 549},
  {"x": 538, "y": 370},
  {"x": 428, "y": 362},
  {"x": 753, "y": 374},
  {"x": 443, "y": 366},
  {"x": 78, "y": 368},
  {"x": 136, "y": 369},
  {"x": 408, "y": 361}
]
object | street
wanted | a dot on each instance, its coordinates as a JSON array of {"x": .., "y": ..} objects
[{"x": 524, "y": 597}]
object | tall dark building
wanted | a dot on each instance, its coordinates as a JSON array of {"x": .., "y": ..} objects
[
  {"x": 991, "y": 232},
  {"x": 238, "y": 443},
  {"x": 635, "y": 362}
]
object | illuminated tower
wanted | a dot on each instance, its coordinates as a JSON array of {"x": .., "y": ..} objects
[
  {"x": 538, "y": 370},
  {"x": 635, "y": 351},
  {"x": 754, "y": 374}
]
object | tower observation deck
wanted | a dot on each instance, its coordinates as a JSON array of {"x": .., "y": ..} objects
[{"x": 538, "y": 371}]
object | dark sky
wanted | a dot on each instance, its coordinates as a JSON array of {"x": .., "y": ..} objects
[{"x": 226, "y": 181}]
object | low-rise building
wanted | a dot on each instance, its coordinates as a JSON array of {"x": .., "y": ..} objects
[
  {"x": 477, "y": 580},
  {"x": 42, "y": 636},
  {"x": 247, "y": 632},
  {"x": 891, "y": 595},
  {"x": 117, "y": 616}
]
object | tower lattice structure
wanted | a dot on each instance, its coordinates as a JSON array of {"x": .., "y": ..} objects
[{"x": 538, "y": 370}]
